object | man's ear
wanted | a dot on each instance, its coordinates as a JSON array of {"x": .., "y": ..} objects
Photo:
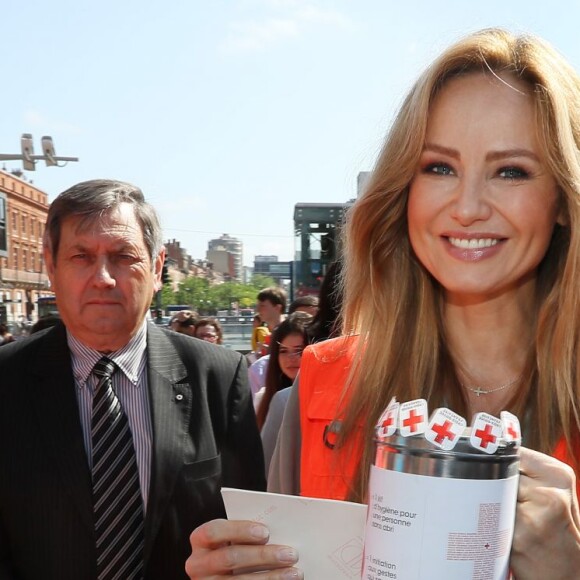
[
  {"x": 158, "y": 270},
  {"x": 49, "y": 263}
]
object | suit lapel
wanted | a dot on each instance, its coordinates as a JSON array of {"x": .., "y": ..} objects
[
  {"x": 170, "y": 399},
  {"x": 57, "y": 411}
]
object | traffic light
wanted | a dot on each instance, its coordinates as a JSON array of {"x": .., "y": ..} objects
[{"x": 165, "y": 278}]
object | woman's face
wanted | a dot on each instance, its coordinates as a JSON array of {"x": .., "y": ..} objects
[
  {"x": 290, "y": 354},
  {"x": 482, "y": 204}
]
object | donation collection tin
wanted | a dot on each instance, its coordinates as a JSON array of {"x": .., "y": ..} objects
[{"x": 442, "y": 496}]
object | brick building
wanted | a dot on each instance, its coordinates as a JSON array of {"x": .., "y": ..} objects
[{"x": 23, "y": 279}]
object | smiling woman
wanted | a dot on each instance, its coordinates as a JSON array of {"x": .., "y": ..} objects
[
  {"x": 482, "y": 205},
  {"x": 461, "y": 275}
]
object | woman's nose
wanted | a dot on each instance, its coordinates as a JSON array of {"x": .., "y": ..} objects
[{"x": 470, "y": 203}]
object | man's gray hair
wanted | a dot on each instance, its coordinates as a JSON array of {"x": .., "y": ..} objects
[{"x": 93, "y": 199}]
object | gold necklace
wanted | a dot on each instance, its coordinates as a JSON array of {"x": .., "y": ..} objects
[{"x": 485, "y": 391}]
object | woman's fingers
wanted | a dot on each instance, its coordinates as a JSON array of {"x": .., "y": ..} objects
[
  {"x": 546, "y": 540},
  {"x": 548, "y": 482}
]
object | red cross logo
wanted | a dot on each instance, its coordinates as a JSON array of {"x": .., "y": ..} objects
[
  {"x": 412, "y": 420},
  {"x": 486, "y": 436},
  {"x": 483, "y": 547},
  {"x": 512, "y": 432},
  {"x": 387, "y": 422},
  {"x": 443, "y": 431}
]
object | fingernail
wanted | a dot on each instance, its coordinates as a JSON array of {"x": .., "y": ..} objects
[
  {"x": 292, "y": 575},
  {"x": 259, "y": 532},
  {"x": 288, "y": 555}
]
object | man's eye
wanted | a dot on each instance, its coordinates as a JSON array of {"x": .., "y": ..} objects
[
  {"x": 125, "y": 258},
  {"x": 438, "y": 169},
  {"x": 513, "y": 173}
]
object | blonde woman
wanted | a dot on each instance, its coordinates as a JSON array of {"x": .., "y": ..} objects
[{"x": 461, "y": 279}]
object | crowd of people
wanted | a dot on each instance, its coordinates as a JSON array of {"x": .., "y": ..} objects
[{"x": 457, "y": 283}]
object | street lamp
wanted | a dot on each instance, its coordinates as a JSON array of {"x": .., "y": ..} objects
[{"x": 28, "y": 157}]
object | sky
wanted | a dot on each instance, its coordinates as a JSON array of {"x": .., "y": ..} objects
[{"x": 229, "y": 112}]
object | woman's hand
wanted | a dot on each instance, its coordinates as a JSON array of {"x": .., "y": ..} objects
[
  {"x": 223, "y": 548},
  {"x": 547, "y": 531}
]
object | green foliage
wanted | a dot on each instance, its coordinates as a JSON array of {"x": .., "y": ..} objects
[
  {"x": 207, "y": 300},
  {"x": 260, "y": 282}
]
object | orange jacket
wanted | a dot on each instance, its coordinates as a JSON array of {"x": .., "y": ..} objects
[{"x": 323, "y": 375}]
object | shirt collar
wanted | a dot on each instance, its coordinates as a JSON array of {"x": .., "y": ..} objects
[{"x": 130, "y": 358}]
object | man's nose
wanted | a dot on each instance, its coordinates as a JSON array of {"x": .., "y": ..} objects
[{"x": 103, "y": 275}]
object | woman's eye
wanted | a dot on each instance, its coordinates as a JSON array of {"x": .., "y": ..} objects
[
  {"x": 439, "y": 169},
  {"x": 512, "y": 173}
]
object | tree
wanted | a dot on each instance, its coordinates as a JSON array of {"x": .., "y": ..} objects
[
  {"x": 260, "y": 282},
  {"x": 205, "y": 299},
  {"x": 195, "y": 292}
]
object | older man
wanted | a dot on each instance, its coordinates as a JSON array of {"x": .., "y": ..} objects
[{"x": 115, "y": 435}]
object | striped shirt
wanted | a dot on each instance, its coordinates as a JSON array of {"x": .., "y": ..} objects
[{"x": 130, "y": 385}]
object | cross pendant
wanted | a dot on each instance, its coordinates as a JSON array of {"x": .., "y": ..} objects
[{"x": 478, "y": 391}]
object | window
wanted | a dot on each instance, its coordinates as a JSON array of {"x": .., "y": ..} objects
[
  {"x": 24, "y": 259},
  {"x": 14, "y": 223},
  {"x": 24, "y": 220}
]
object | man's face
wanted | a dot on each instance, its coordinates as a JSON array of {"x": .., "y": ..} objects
[
  {"x": 103, "y": 278},
  {"x": 267, "y": 310}
]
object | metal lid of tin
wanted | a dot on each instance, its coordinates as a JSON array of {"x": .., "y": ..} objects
[{"x": 418, "y": 443}]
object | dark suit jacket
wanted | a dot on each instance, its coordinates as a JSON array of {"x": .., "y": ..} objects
[{"x": 203, "y": 440}]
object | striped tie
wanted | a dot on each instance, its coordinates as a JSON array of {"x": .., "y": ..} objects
[{"x": 118, "y": 508}]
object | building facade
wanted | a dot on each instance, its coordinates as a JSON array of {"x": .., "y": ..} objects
[
  {"x": 181, "y": 265},
  {"x": 23, "y": 279},
  {"x": 226, "y": 255},
  {"x": 270, "y": 266},
  {"x": 317, "y": 228}
]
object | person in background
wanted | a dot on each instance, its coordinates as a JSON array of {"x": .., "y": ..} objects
[
  {"x": 288, "y": 342},
  {"x": 183, "y": 322},
  {"x": 116, "y": 435},
  {"x": 258, "y": 368},
  {"x": 326, "y": 321},
  {"x": 461, "y": 276},
  {"x": 5, "y": 336},
  {"x": 271, "y": 307},
  {"x": 209, "y": 329},
  {"x": 259, "y": 333},
  {"x": 308, "y": 304}
]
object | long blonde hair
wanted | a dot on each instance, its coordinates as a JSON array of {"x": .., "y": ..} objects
[{"x": 393, "y": 302}]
